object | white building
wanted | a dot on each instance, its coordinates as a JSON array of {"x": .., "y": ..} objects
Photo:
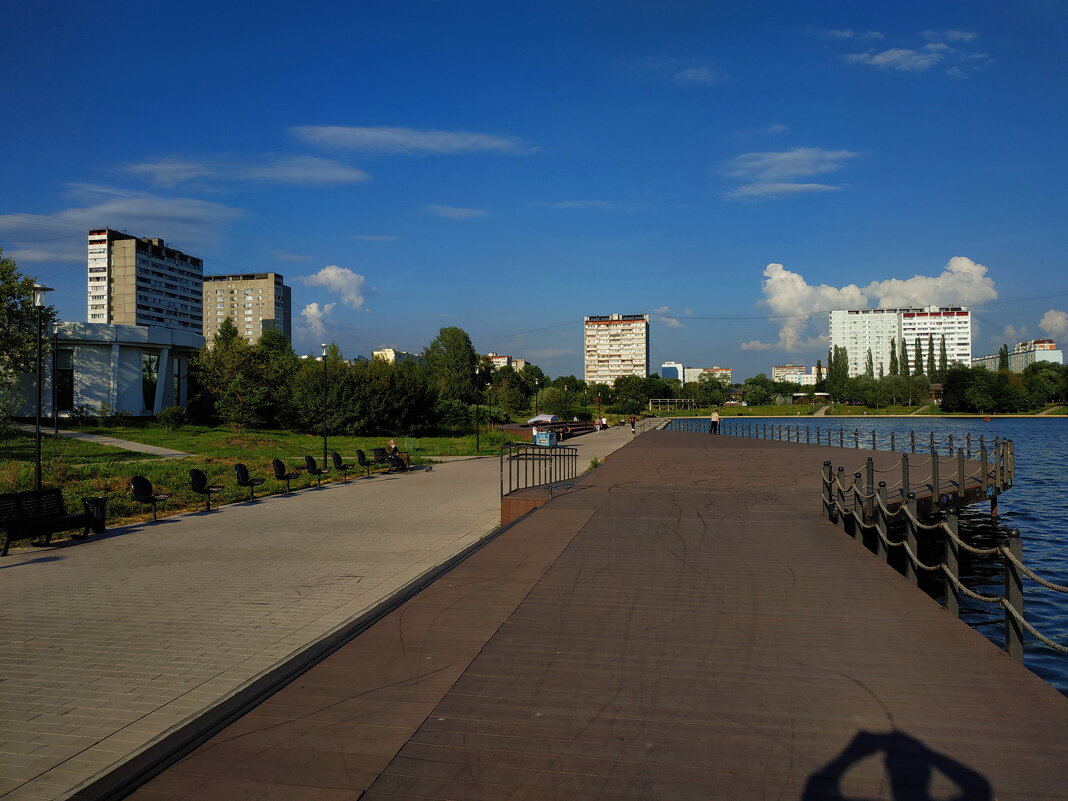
[
  {"x": 134, "y": 369},
  {"x": 1025, "y": 353},
  {"x": 392, "y": 355},
  {"x": 858, "y": 330},
  {"x": 139, "y": 281},
  {"x": 787, "y": 372},
  {"x": 615, "y": 345},
  {"x": 673, "y": 370}
]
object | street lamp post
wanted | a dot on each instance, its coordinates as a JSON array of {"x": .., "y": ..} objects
[
  {"x": 39, "y": 304},
  {"x": 324, "y": 404},
  {"x": 478, "y": 392},
  {"x": 55, "y": 375}
]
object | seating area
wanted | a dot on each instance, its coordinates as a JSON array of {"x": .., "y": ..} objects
[{"x": 42, "y": 513}]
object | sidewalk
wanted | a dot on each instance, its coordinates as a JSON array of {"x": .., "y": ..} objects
[
  {"x": 109, "y": 644},
  {"x": 125, "y": 444}
]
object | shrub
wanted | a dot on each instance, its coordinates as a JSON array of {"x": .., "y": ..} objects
[{"x": 173, "y": 417}]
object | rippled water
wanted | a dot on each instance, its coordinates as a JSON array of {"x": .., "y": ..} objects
[{"x": 1037, "y": 506}]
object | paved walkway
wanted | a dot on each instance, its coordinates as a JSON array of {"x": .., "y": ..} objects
[
  {"x": 681, "y": 624},
  {"x": 100, "y": 439},
  {"x": 108, "y": 645}
]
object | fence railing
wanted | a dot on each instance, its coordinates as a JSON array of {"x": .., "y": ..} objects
[
  {"x": 893, "y": 441},
  {"x": 649, "y": 424},
  {"x": 865, "y": 512},
  {"x": 524, "y": 465}
]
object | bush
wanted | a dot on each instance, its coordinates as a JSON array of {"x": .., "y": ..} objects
[
  {"x": 451, "y": 412},
  {"x": 173, "y": 417}
]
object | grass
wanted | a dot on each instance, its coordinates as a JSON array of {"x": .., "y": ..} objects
[{"x": 85, "y": 469}]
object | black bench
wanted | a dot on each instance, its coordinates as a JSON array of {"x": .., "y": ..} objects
[{"x": 42, "y": 513}]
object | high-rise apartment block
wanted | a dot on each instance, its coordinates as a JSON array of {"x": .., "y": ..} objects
[
  {"x": 861, "y": 330},
  {"x": 139, "y": 281},
  {"x": 615, "y": 345},
  {"x": 254, "y": 302},
  {"x": 787, "y": 372}
]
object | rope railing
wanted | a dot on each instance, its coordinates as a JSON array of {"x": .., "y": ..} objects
[
  {"x": 524, "y": 465},
  {"x": 861, "y": 508}
]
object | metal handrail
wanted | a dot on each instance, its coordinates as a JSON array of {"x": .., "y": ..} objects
[
  {"x": 526, "y": 465},
  {"x": 858, "y": 507}
]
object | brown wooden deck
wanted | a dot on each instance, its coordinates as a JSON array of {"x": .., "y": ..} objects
[{"x": 682, "y": 624}]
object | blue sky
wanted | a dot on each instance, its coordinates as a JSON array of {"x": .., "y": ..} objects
[{"x": 735, "y": 169}]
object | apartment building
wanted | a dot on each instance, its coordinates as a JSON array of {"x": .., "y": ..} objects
[
  {"x": 858, "y": 330},
  {"x": 615, "y": 345},
  {"x": 140, "y": 281},
  {"x": 788, "y": 372},
  {"x": 1023, "y": 354},
  {"x": 254, "y": 302},
  {"x": 392, "y": 355},
  {"x": 673, "y": 370}
]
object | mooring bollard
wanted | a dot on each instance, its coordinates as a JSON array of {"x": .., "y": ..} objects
[{"x": 1014, "y": 596}]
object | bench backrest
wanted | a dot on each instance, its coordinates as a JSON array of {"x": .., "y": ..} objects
[{"x": 31, "y": 503}]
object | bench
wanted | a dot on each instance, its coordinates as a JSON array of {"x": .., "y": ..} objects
[{"x": 42, "y": 513}]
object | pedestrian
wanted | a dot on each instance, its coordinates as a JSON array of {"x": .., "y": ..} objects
[
  {"x": 633, "y": 420},
  {"x": 604, "y": 422},
  {"x": 713, "y": 422}
]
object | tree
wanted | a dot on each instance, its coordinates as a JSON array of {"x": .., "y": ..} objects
[
  {"x": 838, "y": 373},
  {"x": 758, "y": 390},
  {"x": 903, "y": 359},
  {"x": 1003, "y": 357},
  {"x": 819, "y": 371},
  {"x": 930, "y": 357},
  {"x": 893, "y": 357},
  {"x": 227, "y": 371},
  {"x": 943, "y": 361},
  {"x": 917, "y": 355},
  {"x": 451, "y": 360},
  {"x": 276, "y": 363},
  {"x": 869, "y": 366},
  {"x": 18, "y": 322}
]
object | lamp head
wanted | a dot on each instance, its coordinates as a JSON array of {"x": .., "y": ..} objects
[
  {"x": 39, "y": 295},
  {"x": 323, "y": 346}
]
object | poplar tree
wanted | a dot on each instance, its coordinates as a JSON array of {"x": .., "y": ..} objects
[
  {"x": 917, "y": 367},
  {"x": 903, "y": 362},
  {"x": 869, "y": 366},
  {"x": 943, "y": 361},
  {"x": 930, "y": 357},
  {"x": 893, "y": 356},
  {"x": 1003, "y": 357}
]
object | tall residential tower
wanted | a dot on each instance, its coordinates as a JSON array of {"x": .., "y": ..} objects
[
  {"x": 861, "y": 330},
  {"x": 254, "y": 302},
  {"x": 615, "y": 345}
]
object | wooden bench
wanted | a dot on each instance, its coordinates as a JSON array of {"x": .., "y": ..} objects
[{"x": 42, "y": 513}]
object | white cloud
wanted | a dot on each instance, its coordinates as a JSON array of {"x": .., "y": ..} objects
[
  {"x": 896, "y": 58},
  {"x": 454, "y": 212},
  {"x": 1012, "y": 333},
  {"x": 776, "y": 128},
  {"x": 845, "y": 34},
  {"x": 681, "y": 71},
  {"x": 407, "y": 140},
  {"x": 189, "y": 222},
  {"x": 756, "y": 344},
  {"x": 282, "y": 169},
  {"x": 347, "y": 284},
  {"x": 949, "y": 36},
  {"x": 663, "y": 316},
  {"x": 315, "y": 318},
  {"x": 771, "y": 174},
  {"x": 604, "y": 205},
  {"x": 1054, "y": 324},
  {"x": 790, "y": 296}
]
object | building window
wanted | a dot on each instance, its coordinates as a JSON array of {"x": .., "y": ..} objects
[{"x": 149, "y": 376}]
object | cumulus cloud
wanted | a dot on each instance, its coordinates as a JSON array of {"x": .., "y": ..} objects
[
  {"x": 680, "y": 71},
  {"x": 315, "y": 318},
  {"x": 189, "y": 222},
  {"x": 1012, "y": 333},
  {"x": 342, "y": 281},
  {"x": 773, "y": 174},
  {"x": 949, "y": 36},
  {"x": 663, "y": 316},
  {"x": 283, "y": 169},
  {"x": 791, "y": 298},
  {"x": 407, "y": 140},
  {"x": 454, "y": 212},
  {"x": 1054, "y": 324},
  {"x": 939, "y": 47}
]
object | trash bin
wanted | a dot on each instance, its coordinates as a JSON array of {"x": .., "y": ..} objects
[
  {"x": 547, "y": 438},
  {"x": 96, "y": 508}
]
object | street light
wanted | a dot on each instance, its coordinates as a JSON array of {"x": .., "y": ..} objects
[
  {"x": 323, "y": 346},
  {"x": 55, "y": 386},
  {"x": 39, "y": 304},
  {"x": 477, "y": 394}
]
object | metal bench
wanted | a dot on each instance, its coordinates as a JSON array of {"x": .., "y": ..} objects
[{"x": 42, "y": 513}]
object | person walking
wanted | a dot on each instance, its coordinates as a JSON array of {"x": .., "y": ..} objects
[
  {"x": 713, "y": 422},
  {"x": 633, "y": 420}
]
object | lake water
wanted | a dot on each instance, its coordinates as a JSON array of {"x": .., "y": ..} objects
[{"x": 1037, "y": 506}]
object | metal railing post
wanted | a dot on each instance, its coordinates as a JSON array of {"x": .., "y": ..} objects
[
  {"x": 856, "y": 439},
  {"x": 960, "y": 475},
  {"x": 840, "y": 502},
  {"x": 932, "y": 442},
  {"x": 825, "y": 491},
  {"x": 873, "y": 440},
  {"x": 911, "y": 573},
  {"x": 882, "y": 528},
  {"x": 869, "y": 480},
  {"x": 841, "y": 437},
  {"x": 912, "y": 437},
  {"x": 1014, "y": 597},
  {"x": 936, "y": 482},
  {"x": 905, "y": 487},
  {"x": 858, "y": 509},
  {"x": 968, "y": 441},
  {"x": 893, "y": 448},
  {"x": 808, "y": 435},
  {"x": 952, "y": 560}
]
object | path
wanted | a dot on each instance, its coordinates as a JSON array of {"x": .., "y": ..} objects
[
  {"x": 682, "y": 624},
  {"x": 108, "y": 645},
  {"x": 100, "y": 439}
]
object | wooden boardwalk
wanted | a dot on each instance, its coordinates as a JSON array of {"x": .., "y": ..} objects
[{"x": 682, "y": 624}]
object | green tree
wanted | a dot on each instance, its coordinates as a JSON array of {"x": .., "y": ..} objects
[
  {"x": 838, "y": 373},
  {"x": 903, "y": 359},
  {"x": 227, "y": 371},
  {"x": 869, "y": 365},
  {"x": 18, "y": 322},
  {"x": 1003, "y": 357},
  {"x": 276, "y": 364},
  {"x": 451, "y": 360},
  {"x": 758, "y": 390},
  {"x": 931, "y": 371},
  {"x": 893, "y": 357},
  {"x": 917, "y": 356},
  {"x": 943, "y": 361}
]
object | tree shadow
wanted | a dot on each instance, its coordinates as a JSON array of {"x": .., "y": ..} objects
[
  {"x": 909, "y": 767},
  {"x": 36, "y": 561}
]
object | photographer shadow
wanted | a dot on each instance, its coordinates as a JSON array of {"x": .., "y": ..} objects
[{"x": 910, "y": 769}]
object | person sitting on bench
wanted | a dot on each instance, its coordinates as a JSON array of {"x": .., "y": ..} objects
[{"x": 393, "y": 450}]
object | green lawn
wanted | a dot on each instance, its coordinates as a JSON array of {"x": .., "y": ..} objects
[{"x": 85, "y": 469}]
